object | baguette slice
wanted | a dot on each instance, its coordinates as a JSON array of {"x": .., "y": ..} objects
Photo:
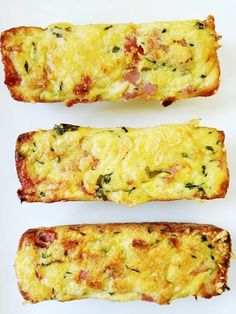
[
  {"x": 86, "y": 63},
  {"x": 156, "y": 262},
  {"x": 123, "y": 165}
]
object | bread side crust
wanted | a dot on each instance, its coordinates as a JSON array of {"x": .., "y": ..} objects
[
  {"x": 217, "y": 286},
  {"x": 13, "y": 79}
]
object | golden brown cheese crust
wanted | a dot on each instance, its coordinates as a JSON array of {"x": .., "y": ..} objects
[
  {"x": 124, "y": 165},
  {"x": 160, "y": 60},
  {"x": 107, "y": 262}
]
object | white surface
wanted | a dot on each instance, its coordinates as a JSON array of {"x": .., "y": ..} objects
[{"x": 216, "y": 111}]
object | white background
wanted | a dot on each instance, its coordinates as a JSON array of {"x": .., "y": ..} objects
[{"x": 15, "y": 118}]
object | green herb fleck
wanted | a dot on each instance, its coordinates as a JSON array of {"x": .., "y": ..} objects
[
  {"x": 61, "y": 86},
  {"x": 111, "y": 293},
  {"x": 210, "y": 246},
  {"x": 107, "y": 27},
  {"x": 130, "y": 190},
  {"x": 193, "y": 256},
  {"x": 152, "y": 61},
  {"x": 107, "y": 178},
  {"x": 164, "y": 30},
  {"x": 204, "y": 238},
  {"x": 191, "y": 45},
  {"x": 191, "y": 186},
  {"x": 203, "y": 76},
  {"x": 125, "y": 129},
  {"x": 45, "y": 255},
  {"x": 204, "y": 170},
  {"x": 210, "y": 148},
  {"x": 200, "y": 25},
  {"x": 133, "y": 269},
  {"x": 115, "y": 49},
  {"x": 174, "y": 70},
  {"x": 153, "y": 173},
  {"x": 42, "y": 194},
  {"x": 185, "y": 155},
  {"x": 145, "y": 69},
  {"x": 40, "y": 162},
  {"x": 26, "y": 66},
  {"x": 67, "y": 274},
  {"x": 62, "y": 128}
]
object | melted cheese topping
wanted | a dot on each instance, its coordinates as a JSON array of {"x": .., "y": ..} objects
[
  {"x": 107, "y": 262},
  {"x": 160, "y": 60},
  {"x": 128, "y": 166}
]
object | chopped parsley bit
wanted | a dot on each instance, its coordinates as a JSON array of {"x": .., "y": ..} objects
[
  {"x": 125, "y": 129},
  {"x": 67, "y": 273},
  {"x": 191, "y": 45},
  {"x": 193, "y": 256},
  {"x": 26, "y": 66},
  {"x": 149, "y": 229},
  {"x": 42, "y": 194},
  {"x": 153, "y": 173},
  {"x": 210, "y": 148},
  {"x": 107, "y": 27},
  {"x": 45, "y": 255},
  {"x": 218, "y": 142},
  {"x": 204, "y": 238},
  {"x": 191, "y": 186},
  {"x": 204, "y": 170},
  {"x": 152, "y": 61},
  {"x": 212, "y": 257},
  {"x": 133, "y": 269},
  {"x": 174, "y": 70},
  {"x": 34, "y": 144},
  {"x": 61, "y": 86},
  {"x": 185, "y": 155},
  {"x": 144, "y": 69},
  {"x": 62, "y": 128},
  {"x": 52, "y": 149},
  {"x": 210, "y": 246},
  {"x": 107, "y": 178},
  {"x": 68, "y": 29},
  {"x": 200, "y": 25},
  {"x": 40, "y": 162},
  {"x": 115, "y": 49},
  {"x": 203, "y": 76},
  {"x": 111, "y": 293},
  {"x": 164, "y": 30},
  {"x": 129, "y": 191}
]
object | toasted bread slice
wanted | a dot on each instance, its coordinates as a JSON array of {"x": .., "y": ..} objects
[
  {"x": 123, "y": 165},
  {"x": 70, "y": 63},
  {"x": 156, "y": 262}
]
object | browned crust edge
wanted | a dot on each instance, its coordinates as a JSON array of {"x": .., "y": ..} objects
[
  {"x": 30, "y": 237},
  {"x": 12, "y": 79}
]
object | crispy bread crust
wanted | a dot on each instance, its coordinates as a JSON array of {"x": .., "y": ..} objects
[
  {"x": 28, "y": 183},
  {"x": 13, "y": 79},
  {"x": 33, "y": 237}
]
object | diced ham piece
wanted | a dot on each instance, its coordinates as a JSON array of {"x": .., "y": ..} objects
[
  {"x": 45, "y": 238},
  {"x": 149, "y": 89},
  {"x": 129, "y": 96},
  {"x": 140, "y": 244},
  {"x": 131, "y": 46},
  {"x": 83, "y": 274},
  {"x": 84, "y": 87},
  {"x": 132, "y": 76}
]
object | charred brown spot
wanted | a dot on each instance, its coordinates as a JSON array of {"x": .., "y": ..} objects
[
  {"x": 25, "y": 137},
  {"x": 145, "y": 297},
  {"x": 140, "y": 244},
  {"x": 174, "y": 241},
  {"x": 12, "y": 78},
  {"x": 168, "y": 101},
  {"x": 70, "y": 244},
  {"x": 95, "y": 284}
]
